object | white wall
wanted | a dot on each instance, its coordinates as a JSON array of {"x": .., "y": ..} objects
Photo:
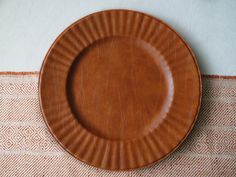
[{"x": 28, "y": 28}]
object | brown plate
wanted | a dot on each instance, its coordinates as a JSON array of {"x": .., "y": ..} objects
[{"x": 119, "y": 89}]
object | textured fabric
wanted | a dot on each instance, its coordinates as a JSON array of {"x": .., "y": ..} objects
[{"x": 28, "y": 149}]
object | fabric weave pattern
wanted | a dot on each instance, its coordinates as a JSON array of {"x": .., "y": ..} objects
[{"x": 28, "y": 149}]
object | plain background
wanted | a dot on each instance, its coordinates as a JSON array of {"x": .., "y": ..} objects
[{"x": 29, "y": 27}]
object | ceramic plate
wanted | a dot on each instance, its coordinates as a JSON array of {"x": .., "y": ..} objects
[{"x": 119, "y": 89}]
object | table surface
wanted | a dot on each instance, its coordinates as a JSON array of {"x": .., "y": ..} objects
[{"x": 28, "y": 28}]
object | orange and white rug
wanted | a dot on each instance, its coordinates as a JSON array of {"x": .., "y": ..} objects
[{"x": 28, "y": 149}]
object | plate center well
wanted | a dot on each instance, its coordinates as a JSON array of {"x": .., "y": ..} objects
[{"x": 120, "y": 88}]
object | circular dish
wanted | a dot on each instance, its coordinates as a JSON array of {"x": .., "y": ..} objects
[{"x": 119, "y": 89}]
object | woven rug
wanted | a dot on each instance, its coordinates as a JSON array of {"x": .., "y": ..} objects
[{"x": 28, "y": 149}]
